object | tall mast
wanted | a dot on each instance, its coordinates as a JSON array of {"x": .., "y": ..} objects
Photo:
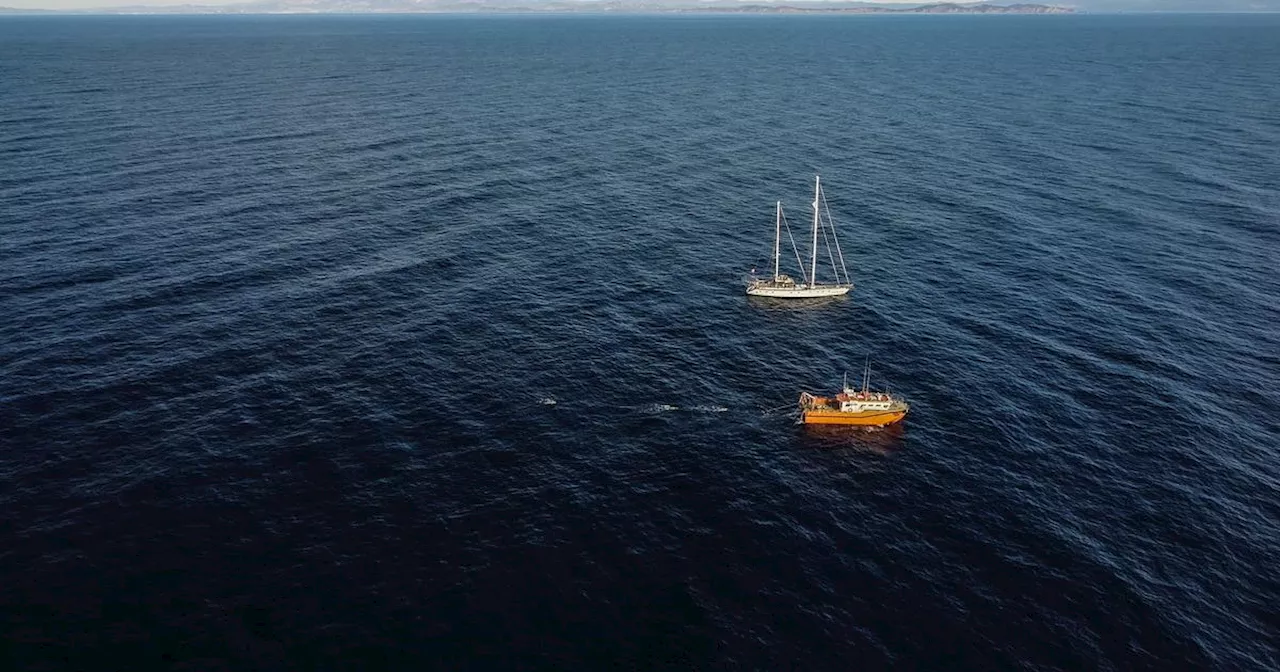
[
  {"x": 777, "y": 240},
  {"x": 813, "y": 262}
]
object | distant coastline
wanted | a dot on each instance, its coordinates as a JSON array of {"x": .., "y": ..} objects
[
  {"x": 556, "y": 7},
  {"x": 935, "y": 8}
]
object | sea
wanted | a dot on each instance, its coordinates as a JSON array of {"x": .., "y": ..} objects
[{"x": 421, "y": 342}]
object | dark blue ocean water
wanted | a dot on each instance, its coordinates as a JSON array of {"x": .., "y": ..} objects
[{"x": 282, "y": 298}]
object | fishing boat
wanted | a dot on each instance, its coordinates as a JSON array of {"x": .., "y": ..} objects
[
  {"x": 853, "y": 407},
  {"x": 782, "y": 286}
]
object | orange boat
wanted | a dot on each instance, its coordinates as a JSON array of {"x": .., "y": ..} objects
[{"x": 853, "y": 407}]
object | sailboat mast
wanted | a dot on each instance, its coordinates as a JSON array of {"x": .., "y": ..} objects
[
  {"x": 777, "y": 241},
  {"x": 813, "y": 262}
]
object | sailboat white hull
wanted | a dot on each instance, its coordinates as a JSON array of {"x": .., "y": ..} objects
[{"x": 798, "y": 291}]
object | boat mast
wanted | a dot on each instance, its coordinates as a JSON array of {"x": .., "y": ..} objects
[
  {"x": 777, "y": 241},
  {"x": 813, "y": 262}
]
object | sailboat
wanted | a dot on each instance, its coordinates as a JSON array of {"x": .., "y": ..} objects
[{"x": 782, "y": 286}]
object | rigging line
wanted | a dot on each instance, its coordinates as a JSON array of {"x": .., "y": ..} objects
[
  {"x": 833, "y": 235},
  {"x": 825, "y": 241},
  {"x": 776, "y": 409},
  {"x": 794, "y": 249}
]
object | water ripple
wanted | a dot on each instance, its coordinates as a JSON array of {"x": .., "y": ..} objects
[{"x": 375, "y": 340}]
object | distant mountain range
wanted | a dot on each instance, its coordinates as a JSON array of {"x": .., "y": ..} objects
[
  {"x": 1178, "y": 5},
  {"x": 665, "y": 6}
]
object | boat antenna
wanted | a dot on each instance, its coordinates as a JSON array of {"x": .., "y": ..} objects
[{"x": 866, "y": 376}]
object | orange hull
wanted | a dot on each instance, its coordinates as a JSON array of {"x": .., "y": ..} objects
[{"x": 865, "y": 419}]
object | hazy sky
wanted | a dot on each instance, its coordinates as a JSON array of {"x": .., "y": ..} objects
[
  {"x": 88, "y": 4},
  {"x": 1096, "y": 5}
]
